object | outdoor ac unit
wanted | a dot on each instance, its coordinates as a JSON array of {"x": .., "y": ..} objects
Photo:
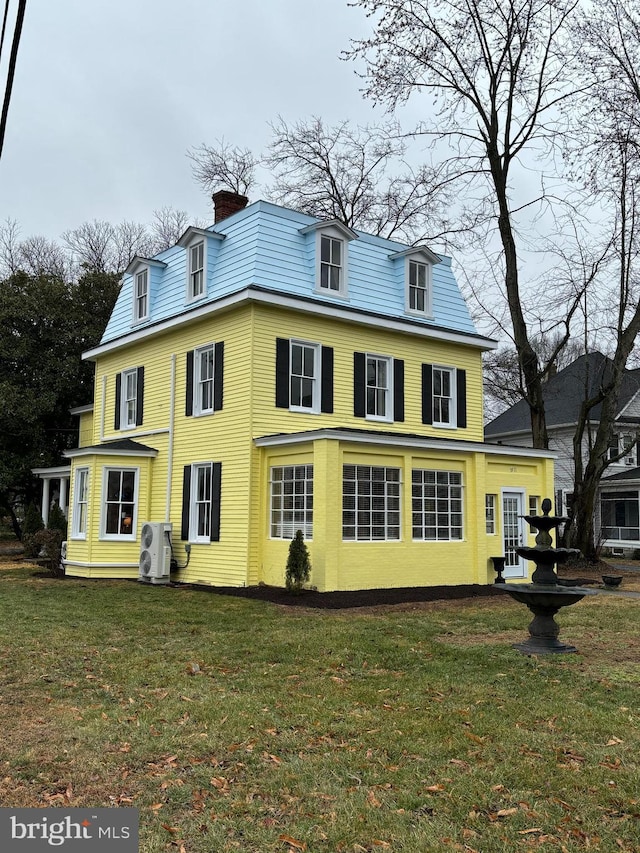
[{"x": 155, "y": 552}]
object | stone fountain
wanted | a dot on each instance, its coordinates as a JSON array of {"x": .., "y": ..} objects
[{"x": 544, "y": 596}]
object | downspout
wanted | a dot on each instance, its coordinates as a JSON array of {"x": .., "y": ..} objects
[{"x": 172, "y": 400}]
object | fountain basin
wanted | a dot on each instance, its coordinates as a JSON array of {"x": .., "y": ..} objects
[{"x": 544, "y": 601}]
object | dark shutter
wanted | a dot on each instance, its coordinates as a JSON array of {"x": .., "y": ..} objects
[
  {"x": 218, "y": 374},
  {"x": 140, "y": 396},
  {"x": 188, "y": 406},
  {"x": 116, "y": 420},
  {"x": 427, "y": 394},
  {"x": 398, "y": 389},
  {"x": 282, "y": 373},
  {"x": 461, "y": 398},
  {"x": 216, "y": 483},
  {"x": 359, "y": 388},
  {"x": 326, "y": 393},
  {"x": 186, "y": 502}
]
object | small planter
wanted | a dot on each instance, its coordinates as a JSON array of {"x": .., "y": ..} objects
[{"x": 612, "y": 580}]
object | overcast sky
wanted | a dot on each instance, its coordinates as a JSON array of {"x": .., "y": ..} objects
[{"x": 110, "y": 94}]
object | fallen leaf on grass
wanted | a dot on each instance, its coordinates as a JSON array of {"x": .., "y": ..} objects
[
  {"x": 373, "y": 800},
  {"x": 171, "y": 829},
  {"x": 434, "y": 789},
  {"x": 292, "y": 842},
  {"x": 475, "y": 738}
]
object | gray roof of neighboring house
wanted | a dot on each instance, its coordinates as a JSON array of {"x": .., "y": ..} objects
[
  {"x": 564, "y": 394},
  {"x": 627, "y": 474}
]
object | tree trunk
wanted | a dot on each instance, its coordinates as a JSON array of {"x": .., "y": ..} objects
[{"x": 527, "y": 356}]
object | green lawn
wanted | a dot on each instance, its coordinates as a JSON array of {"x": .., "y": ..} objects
[{"x": 238, "y": 725}]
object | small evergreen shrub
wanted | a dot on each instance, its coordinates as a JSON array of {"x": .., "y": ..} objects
[
  {"x": 31, "y": 525},
  {"x": 49, "y": 544},
  {"x": 298, "y": 564},
  {"x": 57, "y": 520}
]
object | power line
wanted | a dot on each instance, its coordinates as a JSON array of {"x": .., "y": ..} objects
[
  {"x": 4, "y": 24},
  {"x": 13, "y": 58}
]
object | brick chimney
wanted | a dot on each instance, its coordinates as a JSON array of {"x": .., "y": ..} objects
[{"x": 225, "y": 203}]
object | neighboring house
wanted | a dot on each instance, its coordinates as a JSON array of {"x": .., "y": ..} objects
[
  {"x": 618, "y": 509},
  {"x": 276, "y": 372}
]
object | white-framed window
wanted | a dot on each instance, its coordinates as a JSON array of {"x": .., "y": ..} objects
[
  {"x": 629, "y": 447},
  {"x": 379, "y": 398},
  {"x": 291, "y": 501},
  {"x": 331, "y": 264},
  {"x": 197, "y": 282},
  {"x": 203, "y": 379},
  {"x": 201, "y": 502},
  {"x": 534, "y": 505},
  {"x": 370, "y": 503},
  {"x": 304, "y": 372},
  {"x": 444, "y": 413},
  {"x": 141, "y": 297},
  {"x": 120, "y": 502},
  {"x": 80, "y": 504},
  {"x": 436, "y": 505},
  {"x": 129, "y": 400},
  {"x": 490, "y": 513},
  {"x": 419, "y": 287}
]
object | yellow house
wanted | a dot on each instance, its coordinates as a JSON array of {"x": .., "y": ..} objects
[{"x": 277, "y": 373}]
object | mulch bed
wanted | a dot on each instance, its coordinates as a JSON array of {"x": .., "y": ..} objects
[{"x": 356, "y": 598}]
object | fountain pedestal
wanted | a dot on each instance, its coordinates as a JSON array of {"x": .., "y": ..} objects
[{"x": 545, "y": 596}]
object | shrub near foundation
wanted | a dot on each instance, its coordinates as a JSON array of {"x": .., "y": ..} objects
[
  {"x": 31, "y": 525},
  {"x": 298, "y": 564}
]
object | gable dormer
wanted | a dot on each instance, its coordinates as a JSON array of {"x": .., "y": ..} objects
[
  {"x": 415, "y": 268},
  {"x": 330, "y": 251},
  {"x": 201, "y": 249},
  {"x": 146, "y": 274}
]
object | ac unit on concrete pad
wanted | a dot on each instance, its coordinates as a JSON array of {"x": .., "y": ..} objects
[{"x": 155, "y": 552}]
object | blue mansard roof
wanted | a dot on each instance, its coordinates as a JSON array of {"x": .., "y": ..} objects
[{"x": 266, "y": 251}]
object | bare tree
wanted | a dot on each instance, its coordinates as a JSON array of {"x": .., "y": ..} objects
[
  {"x": 103, "y": 247},
  {"x": 357, "y": 175},
  {"x": 224, "y": 166},
  {"x": 609, "y": 40},
  {"x": 168, "y": 226},
  {"x": 495, "y": 69},
  {"x": 503, "y": 381}
]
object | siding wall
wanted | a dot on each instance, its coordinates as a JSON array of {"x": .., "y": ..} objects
[
  {"x": 346, "y": 338},
  {"x": 369, "y": 565}
]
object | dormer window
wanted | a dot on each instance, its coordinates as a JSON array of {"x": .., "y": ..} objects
[
  {"x": 146, "y": 274},
  {"x": 199, "y": 244},
  {"x": 418, "y": 287},
  {"x": 331, "y": 250},
  {"x": 331, "y": 254},
  {"x": 141, "y": 298},
  {"x": 196, "y": 270},
  {"x": 417, "y": 276}
]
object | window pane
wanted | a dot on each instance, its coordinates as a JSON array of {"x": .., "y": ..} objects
[
  {"x": 294, "y": 511},
  {"x": 439, "y": 519}
]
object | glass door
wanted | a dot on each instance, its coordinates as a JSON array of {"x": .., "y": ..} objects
[{"x": 513, "y": 534}]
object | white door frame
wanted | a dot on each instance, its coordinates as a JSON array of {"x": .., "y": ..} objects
[{"x": 513, "y": 531}]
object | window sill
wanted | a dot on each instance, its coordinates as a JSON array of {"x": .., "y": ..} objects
[
  {"x": 112, "y": 537},
  {"x": 334, "y": 294}
]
